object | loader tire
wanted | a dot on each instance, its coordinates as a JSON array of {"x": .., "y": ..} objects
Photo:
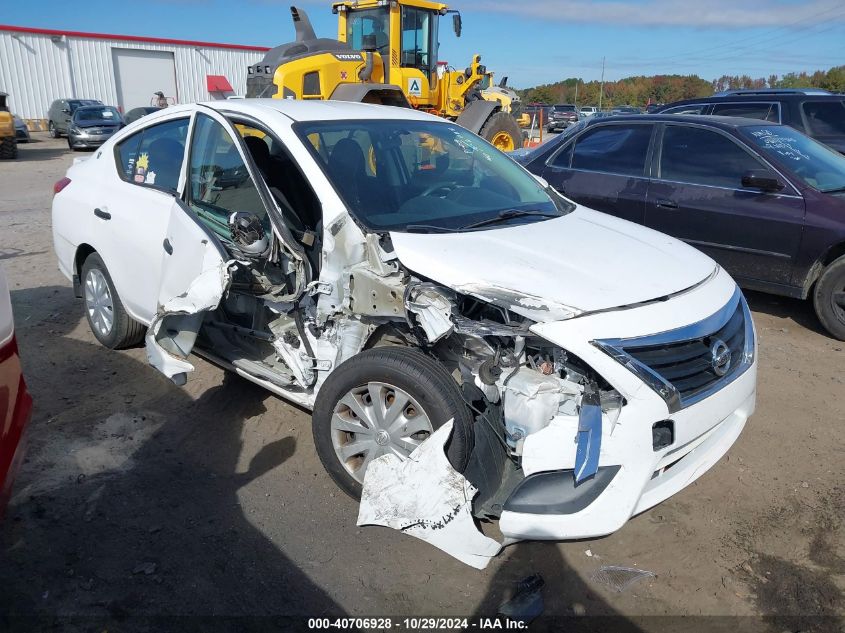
[
  {"x": 502, "y": 131},
  {"x": 8, "y": 148}
]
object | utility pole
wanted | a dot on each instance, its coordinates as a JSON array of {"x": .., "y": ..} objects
[
  {"x": 601, "y": 86},
  {"x": 576, "y": 94}
]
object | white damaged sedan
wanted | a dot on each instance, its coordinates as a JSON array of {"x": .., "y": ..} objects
[{"x": 472, "y": 344}]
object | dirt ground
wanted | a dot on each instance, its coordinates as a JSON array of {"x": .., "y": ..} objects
[{"x": 141, "y": 499}]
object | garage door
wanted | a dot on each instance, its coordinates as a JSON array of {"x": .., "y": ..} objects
[{"x": 140, "y": 74}]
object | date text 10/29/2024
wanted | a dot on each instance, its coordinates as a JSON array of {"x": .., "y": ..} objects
[{"x": 417, "y": 624}]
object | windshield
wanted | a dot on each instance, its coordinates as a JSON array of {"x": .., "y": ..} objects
[
  {"x": 96, "y": 113},
  {"x": 424, "y": 176},
  {"x": 368, "y": 27},
  {"x": 564, "y": 108},
  {"x": 817, "y": 165}
]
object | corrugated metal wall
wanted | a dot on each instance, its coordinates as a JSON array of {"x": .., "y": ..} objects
[{"x": 35, "y": 69}]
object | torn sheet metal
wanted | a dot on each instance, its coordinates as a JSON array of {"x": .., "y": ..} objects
[
  {"x": 425, "y": 497},
  {"x": 433, "y": 310},
  {"x": 589, "y": 435},
  {"x": 204, "y": 293},
  {"x": 530, "y": 306}
]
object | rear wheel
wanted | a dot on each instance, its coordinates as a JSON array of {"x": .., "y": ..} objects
[
  {"x": 8, "y": 147},
  {"x": 502, "y": 131},
  {"x": 386, "y": 400},
  {"x": 54, "y": 133},
  {"x": 107, "y": 318},
  {"x": 829, "y": 298}
]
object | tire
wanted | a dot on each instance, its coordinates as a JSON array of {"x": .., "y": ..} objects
[
  {"x": 829, "y": 298},
  {"x": 54, "y": 133},
  {"x": 123, "y": 331},
  {"x": 408, "y": 372},
  {"x": 70, "y": 145},
  {"x": 8, "y": 148},
  {"x": 501, "y": 124}
]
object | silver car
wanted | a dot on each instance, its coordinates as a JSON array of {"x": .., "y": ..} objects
[{"x": 91, "y": 126}]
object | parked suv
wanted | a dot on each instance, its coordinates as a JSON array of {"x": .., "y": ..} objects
[
  {"x": 762, "y": 199},
  {"x": 411, "y": 284},
  {"x": 61, "y": 111},
  {"x": 587, "y": 111},
  {"x": 562, "y": 116},
  {"x": 817, "y": 113}
]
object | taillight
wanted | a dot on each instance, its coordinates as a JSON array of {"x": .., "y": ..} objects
[{"x": 60, "y": 184}]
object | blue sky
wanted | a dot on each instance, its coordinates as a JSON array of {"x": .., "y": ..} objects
[{"x": 532, "y": 41}]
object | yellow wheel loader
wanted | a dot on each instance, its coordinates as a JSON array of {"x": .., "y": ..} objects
[
  {"x": 8, "y": 141},
  {"x": 386, "y": 53},
  {"x": 510, "y": 100}
]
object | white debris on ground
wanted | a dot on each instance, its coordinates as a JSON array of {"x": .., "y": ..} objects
[{"x": 425, "y": 497}]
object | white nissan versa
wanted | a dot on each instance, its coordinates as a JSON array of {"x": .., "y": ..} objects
[{"x": 398, "y": 275}]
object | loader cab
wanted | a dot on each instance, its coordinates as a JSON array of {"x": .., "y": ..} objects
[{"x": 405, "y": 33}]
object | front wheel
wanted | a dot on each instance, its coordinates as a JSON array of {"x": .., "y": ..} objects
[
  {"x": 829, "y": 298},
  {"x": 386, "y": 400},
  {"x": 502, "y": 131}
]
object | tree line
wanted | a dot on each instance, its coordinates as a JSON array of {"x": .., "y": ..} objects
[{"x": 640, "y": 90}]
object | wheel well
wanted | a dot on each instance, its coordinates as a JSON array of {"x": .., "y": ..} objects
[
  {"x": 832, "y": 254},
  {"x": 82, "y": 254}
]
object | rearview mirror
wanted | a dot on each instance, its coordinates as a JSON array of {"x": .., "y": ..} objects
[
  {"x": 457, "y": 24},
  {"x": 762, "y": 179}
]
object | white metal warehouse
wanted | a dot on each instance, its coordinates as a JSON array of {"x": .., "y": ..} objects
[{"x": 38, "y": 66}]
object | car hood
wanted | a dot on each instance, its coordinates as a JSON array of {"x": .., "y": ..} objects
[{"x": 557, "y": 269}]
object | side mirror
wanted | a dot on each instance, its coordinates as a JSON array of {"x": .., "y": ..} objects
[
  {"x": 457, "y": 24},
  {"x": 762, "y": 179},
  {"x": 66, "y": 110}
]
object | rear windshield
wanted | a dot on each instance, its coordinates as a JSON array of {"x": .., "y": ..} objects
[
  {"x": 825, "y": 118},
  {"x": 398, "y": 175},
  {"x": 817, "y": 165}
]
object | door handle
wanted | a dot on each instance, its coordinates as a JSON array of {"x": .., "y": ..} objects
[
  {"x": 667, "y": 204},
  {"x": 168, "y": 247},
  {"x": 105, "y": 215}
]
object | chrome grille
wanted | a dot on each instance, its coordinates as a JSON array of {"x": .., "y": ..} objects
[{"x": 687, "y": 364}]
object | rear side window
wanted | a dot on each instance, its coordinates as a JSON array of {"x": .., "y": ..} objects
[
  {"x": 153, "y": 156},
  {"x": 762, "y": 111},
  {"x": 825, "y": 117},
  {"x": 703, "y": 157},
  {"x": 615, "y": 149}
]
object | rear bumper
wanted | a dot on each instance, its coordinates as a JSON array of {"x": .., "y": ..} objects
[{"x": 16, "y": 411}]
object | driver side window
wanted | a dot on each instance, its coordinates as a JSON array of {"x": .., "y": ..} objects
[{"x": 220, "y": 183}]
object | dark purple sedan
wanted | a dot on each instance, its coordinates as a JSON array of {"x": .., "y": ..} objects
[{"x": 762, "y": 199}]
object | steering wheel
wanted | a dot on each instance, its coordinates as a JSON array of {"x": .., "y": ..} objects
[{"x": 446, "y": 187}]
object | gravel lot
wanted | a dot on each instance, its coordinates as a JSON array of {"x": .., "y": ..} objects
[{"x": 139, "y": 498}]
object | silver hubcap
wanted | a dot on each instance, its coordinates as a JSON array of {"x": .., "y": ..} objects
[
  {"x": 98, "y": 302},
  {"x": 373, "y": 420}
]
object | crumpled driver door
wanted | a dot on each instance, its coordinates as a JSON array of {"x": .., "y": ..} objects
[{"x": 195, "y": 275}]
